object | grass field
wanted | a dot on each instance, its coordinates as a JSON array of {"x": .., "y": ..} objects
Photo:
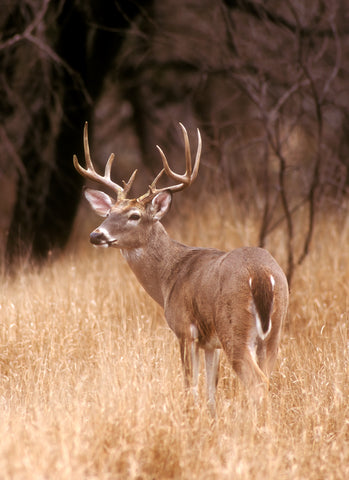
[{"x": 91, "y": 383}]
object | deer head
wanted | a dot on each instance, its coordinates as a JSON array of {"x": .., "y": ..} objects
[{"x": 129, "y": 220}]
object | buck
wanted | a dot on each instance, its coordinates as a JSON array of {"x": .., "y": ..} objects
[{"x": 213, "y": 300}]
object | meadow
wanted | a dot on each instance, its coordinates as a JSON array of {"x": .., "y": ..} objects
[{"x": 91, "y": 384}]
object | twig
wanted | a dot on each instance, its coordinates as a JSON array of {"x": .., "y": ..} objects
[
  {"x": 28, "y": 30},
  {"x": 27, "y": 35}
]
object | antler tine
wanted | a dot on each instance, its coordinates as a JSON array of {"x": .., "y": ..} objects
[
  {"x": 152, "y": 190},
  {"x": 128, "y": 185},
  {"x": 105, "y": 179},
  {"x": 187, "y": 150},
  {"x": 190, "y": 173},
  {"x": 186, "y": 179},
  {"x": 197, "y": 158},
  {"x": 108, "y": 166}
]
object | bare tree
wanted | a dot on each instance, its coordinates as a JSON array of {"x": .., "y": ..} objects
[
  {"x": 296, "y": 90},
  {"x": 54, "y": 58},
  {"x": 264, "y": 81}
]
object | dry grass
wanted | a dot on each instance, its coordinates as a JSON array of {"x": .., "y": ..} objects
[{"x": 91, "y": 382}]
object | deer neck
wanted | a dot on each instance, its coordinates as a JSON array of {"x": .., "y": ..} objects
[{"x": 153, "y": 262}]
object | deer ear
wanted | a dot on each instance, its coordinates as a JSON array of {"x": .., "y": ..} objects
[
  {"x": 100, "y": 202},
  {"x": 161, "y": 204}
]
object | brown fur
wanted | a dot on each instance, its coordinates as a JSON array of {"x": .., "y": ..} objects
[{"x": 211, "y": 299}]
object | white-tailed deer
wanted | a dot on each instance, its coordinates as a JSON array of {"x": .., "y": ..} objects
[{"x": 234, "y": 301}]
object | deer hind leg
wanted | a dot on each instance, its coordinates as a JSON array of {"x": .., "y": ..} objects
[
  {"x": 254, "y": 365},
  {"x": 212, "y": 364},
  {"x": 271, "y": 347},
  {"x": 253, "y": 378},
  {"x": 243, "y": 357},
  {"x": 244, "y": 350}
]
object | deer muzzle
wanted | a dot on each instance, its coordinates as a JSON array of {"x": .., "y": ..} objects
[{"x": 98, "y": 237}]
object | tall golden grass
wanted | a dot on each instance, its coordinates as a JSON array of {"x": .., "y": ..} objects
[{"x": 91, "y": 383}]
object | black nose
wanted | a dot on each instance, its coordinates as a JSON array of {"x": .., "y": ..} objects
[{"x": 97, "y": 237}]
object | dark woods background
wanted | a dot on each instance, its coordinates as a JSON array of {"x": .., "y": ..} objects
[{"x": 265, "y": 81}]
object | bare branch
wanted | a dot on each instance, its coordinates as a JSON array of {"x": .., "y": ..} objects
[
  {"x": 29, "y": 29},
  {"x": 61, "y": 62},
  {"x": 6, "y": 142},
  {"x": 337, "y": 64},
  {"x": 28, "y": 35}
]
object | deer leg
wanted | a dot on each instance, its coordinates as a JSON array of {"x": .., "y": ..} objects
[
  {"x": 185, "y": 363},
  {"x": 194, "y": 350},
  {"x": 190, "y": 363},
  {"x": 253, "y": 377},
  {"x": 212, "y": 364},
  {"x": 261, "y": 355},
  {"x": 272, "y": 345},
  {"x": 243, "y": 358}
]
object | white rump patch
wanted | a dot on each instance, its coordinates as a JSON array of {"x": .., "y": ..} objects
[{"x": 272, "y": 281}]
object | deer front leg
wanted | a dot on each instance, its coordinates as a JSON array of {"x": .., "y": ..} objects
[
  {"x": 190, "y": 362},
  {"x": 212, "y": 364}
]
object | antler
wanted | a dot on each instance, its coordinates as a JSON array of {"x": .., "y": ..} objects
[
  {"x": 105, "y": 179},
  {"x": 185, "y": 180}
]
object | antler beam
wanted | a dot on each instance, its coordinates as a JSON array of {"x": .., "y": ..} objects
[
  {"x": 185, "y": 180},
  {"x": 90, "y": 172}
]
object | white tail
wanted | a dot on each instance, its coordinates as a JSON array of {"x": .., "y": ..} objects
[{"x": 214, "y": 300}]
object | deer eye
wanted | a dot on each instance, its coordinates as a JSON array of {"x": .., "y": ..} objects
[{"x": 134, "y": 216}]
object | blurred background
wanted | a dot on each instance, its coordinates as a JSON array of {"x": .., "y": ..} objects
[{"x": 265, "y": 81}]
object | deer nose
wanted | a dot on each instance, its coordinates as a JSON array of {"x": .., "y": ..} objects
[{"x": 97, "y": 237}]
